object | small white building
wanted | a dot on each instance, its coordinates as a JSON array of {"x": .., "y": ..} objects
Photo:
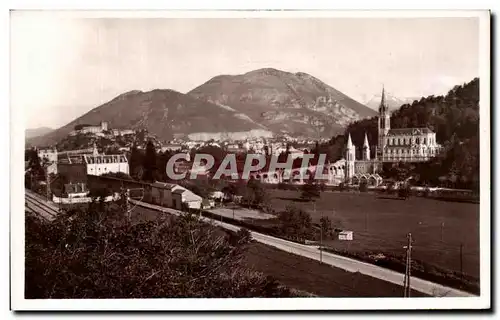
[
  {"x": 171, "y": 147},
  {"x": 346, "y": 235},
  {"x": 191, "y": 200},
  {"x": 76, "y": 190},
  {"x": 49, "y": 154},
  {"x": 161, "y": 193},
  {"x": 100, "y": 164}
]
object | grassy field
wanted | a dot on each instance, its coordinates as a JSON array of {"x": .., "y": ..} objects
[
  {"x": 381, "y": 224},
  {"x": 302, "y": 273},
  {"x": 319, "y": 279}
]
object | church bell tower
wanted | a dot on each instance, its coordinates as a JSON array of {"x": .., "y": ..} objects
[{"x": 384, "y": 125}]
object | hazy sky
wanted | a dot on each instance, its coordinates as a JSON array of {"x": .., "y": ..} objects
[{"x": 62, "y": 68}]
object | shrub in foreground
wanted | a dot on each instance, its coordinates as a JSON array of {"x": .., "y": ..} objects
[{"x": 97, "y": 253}]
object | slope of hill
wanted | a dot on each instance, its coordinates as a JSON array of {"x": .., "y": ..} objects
[
  {"x": 294, "y": 103},
  {"x": 163, "y": 113},
  {"x": 35, "y": 132}
]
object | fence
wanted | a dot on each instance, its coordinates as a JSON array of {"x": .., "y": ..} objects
[
  {"x": 116, "y": 185},
  {"x": 76, "y": 200}
]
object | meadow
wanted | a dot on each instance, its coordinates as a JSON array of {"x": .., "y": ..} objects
[{"x": 445, "y": 234}]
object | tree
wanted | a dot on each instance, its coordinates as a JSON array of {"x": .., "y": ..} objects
[
  {"x": 310, "y": 190},
  {"x": 97, "y": 254},
  {"x": 230, "y": 190},
  {"x": 363, "y": 186},
  {"x": 34, "y": 164},
  {"x": 149, "y": 164},
  {"x": 295, "y": 223},
  {"x": 135, "y": 163},
  {"x": 256, "y": 194},
  {"x": 200, "y": 187},
  {"x": 404, "y": 191},
  {"x": 326, "y": 227}
]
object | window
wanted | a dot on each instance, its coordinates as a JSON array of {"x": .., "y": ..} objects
[{"x": 425, "y": 141}]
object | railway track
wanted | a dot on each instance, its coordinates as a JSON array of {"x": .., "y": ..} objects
[{"x": 39, "y": 206}]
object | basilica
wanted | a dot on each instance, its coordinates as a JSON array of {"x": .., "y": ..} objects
[{"x": 394, "y": 145}]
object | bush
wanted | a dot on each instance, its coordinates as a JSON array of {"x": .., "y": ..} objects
[
  {"x": 96, "y": 254},
  {"x": 310, "y": 190},
  {"x": 363, "y": 186},
  {"x": 295, "y": 224},
  {"x": 404, "y": 192}
]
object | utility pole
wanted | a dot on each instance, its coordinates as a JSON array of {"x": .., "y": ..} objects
[
  {"x": 320, "y": 235},
  {"x": 461, "y": 260},
  {"x": 127, "y": 195},
  {"x": 321, "y": 244},
  {"x": 48, "y": 182},
  {"x": 407, "y": 286}
]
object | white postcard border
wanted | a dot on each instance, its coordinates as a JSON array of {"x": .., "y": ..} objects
[{"x": 17, "y": 194}]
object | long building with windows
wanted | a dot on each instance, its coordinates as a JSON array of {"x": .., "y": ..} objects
[
  {"x": 394, "y": 145},
  {"x": 75, "y": 165}
]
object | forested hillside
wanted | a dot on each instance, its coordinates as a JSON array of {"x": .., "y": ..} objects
[{"x": 454, "y": 118}]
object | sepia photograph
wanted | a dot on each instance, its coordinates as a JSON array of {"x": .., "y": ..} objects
[{"x": 175, "y": 156}]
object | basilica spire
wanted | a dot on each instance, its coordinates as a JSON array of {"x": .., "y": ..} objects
[
  {"x": 365, "y": 144},
  {"x": 383, "y": 107},
  {"x": 366, "y": 149},
  {"x": 349, "y": 142}
]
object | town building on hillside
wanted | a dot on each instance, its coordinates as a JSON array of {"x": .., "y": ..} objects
[
  {"x": 235, "y": 148},
  {"x": 171, "y": 147},
  {"x": 75, "y": 165},
  {"x": 48, "y": 158},
  {"x": 75, "y": 156},
  {"x": 122, "y": 132},
  {"x": 101, "y": 164},
  {"x": 48, "y": 155},
  {"x": 394, "y": 145},
  {"x": 83, "y": 129}
]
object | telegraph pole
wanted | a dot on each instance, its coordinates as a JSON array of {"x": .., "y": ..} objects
[
  {"x": 409, "y": 264},
  {"x": 48, "y": 182},
  {"x": 407, "y": 286},
  {"x": 320, "y": 235},
  {"x": 321, "y": 244},
  {"x": 461, "y": 260},
  {"x": 127, "y": 195}
]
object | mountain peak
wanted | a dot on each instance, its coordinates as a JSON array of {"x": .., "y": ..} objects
[
  {"x": 284, "y": 102},
  {"x": 267, "y": 71}
]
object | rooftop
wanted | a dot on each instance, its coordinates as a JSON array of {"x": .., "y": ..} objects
[
  {"x": 409, "y": 131},
  {"x": 164, "y": 185},
  {"x": 179, "y": 191}
]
